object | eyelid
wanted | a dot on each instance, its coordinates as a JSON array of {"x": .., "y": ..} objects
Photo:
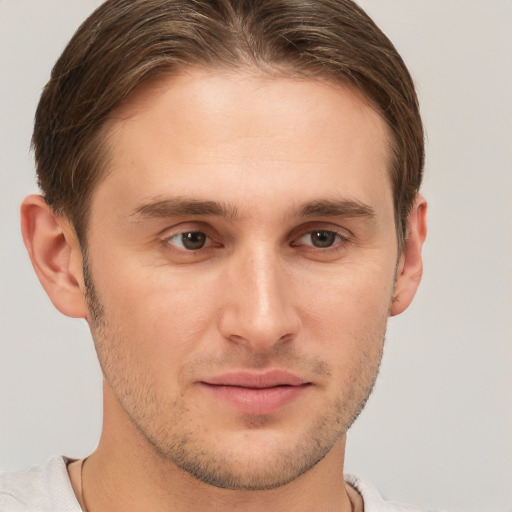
[
  {"x": 344, "y": 233},
  {"x": 339, "y": 240},
  {"x": 188, "y": 227},
  {"x": 180, "y": 234}
]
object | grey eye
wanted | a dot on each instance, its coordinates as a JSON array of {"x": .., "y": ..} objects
[
  {"x": 190, "y": 240},
  {"x": 323, "y": 238}
]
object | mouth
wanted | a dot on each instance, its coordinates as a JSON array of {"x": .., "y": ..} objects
[{"x": 257, "y": 393}]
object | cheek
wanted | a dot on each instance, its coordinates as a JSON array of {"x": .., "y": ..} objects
[
  {"x": 347, "y": 311},
  {"x": 161, "y": 315},
  {"x": 165, "y": 315},
  {"x": 356, "y": 294}
]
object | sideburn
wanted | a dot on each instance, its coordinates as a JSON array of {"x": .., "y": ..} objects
[{"x": 96, "y": 308}]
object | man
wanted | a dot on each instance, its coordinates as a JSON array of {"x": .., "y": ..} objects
[{"x": 230, "y": 199}]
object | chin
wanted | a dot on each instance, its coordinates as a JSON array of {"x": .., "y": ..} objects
[
  {"x": 252, "y": 460},
  {"x": 249, "y": 475}
]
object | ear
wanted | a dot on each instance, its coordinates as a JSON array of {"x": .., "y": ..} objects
[
  {"x": 55, "y": 253},
  {"x": 410, "y": 266}
]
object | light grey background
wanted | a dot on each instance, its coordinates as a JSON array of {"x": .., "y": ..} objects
[{"x": 438, "y": 429}]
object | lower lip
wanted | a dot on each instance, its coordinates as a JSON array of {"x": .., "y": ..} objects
[{"x": 257, "y": 401}]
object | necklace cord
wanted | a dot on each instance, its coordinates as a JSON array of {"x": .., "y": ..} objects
[{"x": 85, "y": 508}]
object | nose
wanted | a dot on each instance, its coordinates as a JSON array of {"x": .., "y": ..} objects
[{"x": 258, "y": 309}]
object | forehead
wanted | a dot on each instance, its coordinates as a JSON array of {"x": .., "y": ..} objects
[
  {"x": 213, "y": 133},
  {"x": 242, "y": 92}
]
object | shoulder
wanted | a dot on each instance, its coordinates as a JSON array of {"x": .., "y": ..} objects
[
  {"x": 374, "y": 502},
  {"x": 39, "y": 489}
]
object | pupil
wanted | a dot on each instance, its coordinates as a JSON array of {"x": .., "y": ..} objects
[
  {"x": 193, "y": 240},
  {"x": 323, "y": 238}
]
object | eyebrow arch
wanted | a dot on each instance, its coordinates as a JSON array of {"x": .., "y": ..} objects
[
  {"x": 336, "y": 208},
  {"x": 176, "y": 206}
]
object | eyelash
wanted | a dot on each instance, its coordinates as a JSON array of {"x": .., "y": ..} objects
[
  {"x": 341, "y": 239},
  {"x": 182, "y": 233}
]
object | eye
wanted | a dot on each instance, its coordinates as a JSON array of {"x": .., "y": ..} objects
[
  {"x": 320, "y": 238},
  {"x": 189, "y": 240}
]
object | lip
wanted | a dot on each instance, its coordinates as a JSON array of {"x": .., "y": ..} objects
[
  {"x": 266, "y": 379},
  {"x": 257, "y": 393}
]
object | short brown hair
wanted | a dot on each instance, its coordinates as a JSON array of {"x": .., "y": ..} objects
[{"x": 126, "y": 42}]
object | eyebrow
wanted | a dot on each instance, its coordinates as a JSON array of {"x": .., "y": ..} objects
[
  {"x": 336, "y": 208},
  {"x": 176, "y": 206}
]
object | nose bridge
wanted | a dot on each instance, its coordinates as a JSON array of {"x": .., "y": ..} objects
[
  {"x": 264, "y": 286},
  {"x": 259, "y": 310}
]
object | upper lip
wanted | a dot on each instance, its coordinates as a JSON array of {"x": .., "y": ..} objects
[{"x": 246, "y": 379}]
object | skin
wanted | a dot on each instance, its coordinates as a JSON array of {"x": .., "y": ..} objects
[{"x": 299, "y": 272}]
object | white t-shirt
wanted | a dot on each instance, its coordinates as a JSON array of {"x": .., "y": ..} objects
[{"x": 47, "y": 488}]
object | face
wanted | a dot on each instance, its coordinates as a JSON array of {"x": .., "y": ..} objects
[{"x": 241, "y": 262}]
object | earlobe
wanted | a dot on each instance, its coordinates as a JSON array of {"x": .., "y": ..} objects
[
  {"x": 410, "y": 267},
  {"x": 55, "y": 255}
]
